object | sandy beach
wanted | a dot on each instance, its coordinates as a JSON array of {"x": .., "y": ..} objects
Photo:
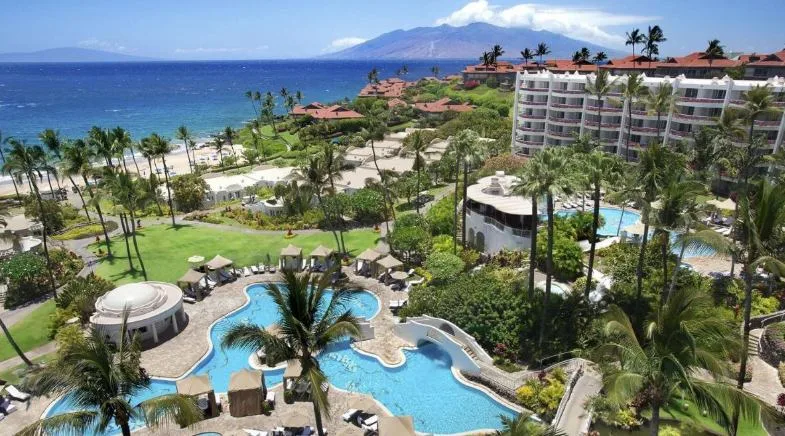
[{"x": 177, "y": 162}]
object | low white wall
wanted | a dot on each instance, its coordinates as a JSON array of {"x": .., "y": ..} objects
[
  {"x": 458, "y": 333},
  {"x": 414, "y": 332}
]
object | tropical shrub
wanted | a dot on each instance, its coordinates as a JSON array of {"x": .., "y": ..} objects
[
  {"x": 188, "y": 192},
  {"x": 442, "y": 244},
  {"x": 604, "y": 410},
  {"x": 27, "y": 278},
  {"x": 506, "y": 162},
  {"x": 367, "y": 206},
  {"x": 567, "y": 255},
  {"x": 410, "y": 238},
  {"x": 67, "y": 337},
  {"x": 65, "y": 264},
  {"x": 82, "y": 231},
  {"x": 81, "y": 293},
  {"x": 440, "y": 216},
  {"x": 542, "y": 396},
  {"x": 55, "y": 219},
  {"x": 444, "y": 266},
  {"x": 582, "y": 222}
]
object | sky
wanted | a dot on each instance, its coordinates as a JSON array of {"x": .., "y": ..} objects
[{"x": 277, "y": 29}]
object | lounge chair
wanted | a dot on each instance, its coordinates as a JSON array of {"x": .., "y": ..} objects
[
  {"x": 270, "y": 399},
  {"x": 410, "y": 272},
  {"x": 349, "y": 415},
  {"x": 16, "y": 394},
  {"x": 272, "y": 269},
  {"x": 254, "y": 269},
  {"x": 189, "y": 300},
  {"x": 8, "y": 406},
  {"x": 253, "y": 432},
  {"x": 246, "y": 272},
  {"x": 210, "y": 284}
]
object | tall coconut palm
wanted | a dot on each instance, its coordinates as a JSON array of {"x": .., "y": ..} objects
[
  {"x": 585, "y": 54},
  {"x": 101, "y": 377},
  {"x": 531, "y": 186},
  {"x": 268, "y": 109},
  {"x": 100, "y": 140},
  {"x": 373, "y": 76},
  {"x": 714, "y": 51},
  {"x": 250, "y": 95},
  {"x": 310, "y": 322},
  {"x": 146, "y": 147},
  {"x": 635, "y": 37},
  {"x": 77, "y": 161},
  {"x": 660, "y": 102},
  {"x": 184, "y": 135},
  {"x": 375, "y": 132},
  {"x": 72, "y": 162},
  {"x": 602, "y": 170},
  {"x": 24, "y": 161},
  {"x": 632, "y": 91},
  {"x": 53, "y": 142},
  {"x": 4, "y": 140},
  {"x": 122, "y": 141},
  {"x": 654, "y": 37},
  {"x": 524, "y": 425},
  {"x": 161, "y": 147},
  {"x": 463, "y": 146},
  {"x": 598, "y": 58},
  {"x": 314, "y": 176},
  {"x": 132, "y": 195},
  {"x": 527, "y": 55},
  {"x": 497, "y": 52},
  {"x": 681, "y": 356},
  {"x": 542, "y": 50},
  {"x": 230, "y": 135},
  {"x": 417, "y": 147},
  {"x": 599, "y": 86}
]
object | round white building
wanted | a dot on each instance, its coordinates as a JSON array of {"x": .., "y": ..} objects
[
  {"x": 155, "y": 310},
  {"x": 496, "y": 218}
]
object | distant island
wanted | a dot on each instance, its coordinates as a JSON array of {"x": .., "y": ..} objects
[
  {"x": 464, "y": 42},
  {"x": 71, "y": 54}
]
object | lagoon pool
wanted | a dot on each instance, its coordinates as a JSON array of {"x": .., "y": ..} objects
[{"x": 423, "y": 386}]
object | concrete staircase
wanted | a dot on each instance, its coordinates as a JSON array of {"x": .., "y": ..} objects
[
  {"x": 753, "y": 344},
  {"x": 470, "y": 352}
]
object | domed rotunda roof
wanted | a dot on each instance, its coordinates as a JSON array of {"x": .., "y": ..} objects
[{"x": 142, "y": 300}]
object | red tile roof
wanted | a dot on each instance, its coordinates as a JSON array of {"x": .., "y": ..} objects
[
  {"x": 567, "y": 65},
  {"x": 388, "y": 88},
  {"x": 501, "y": 67},
  {"x": 771, "y": 60},
  {"x": 443, "y": 105},
  {"x": 698, "y": 60},
  {"x": 322, "y": 112},
  {"x": 632, "y": 63},
  {"x": 396, "y": 102}
]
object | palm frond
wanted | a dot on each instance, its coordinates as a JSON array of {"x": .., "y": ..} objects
[
  {"x": 172, "y": 408},
  {"x": 71, "y": 423}
]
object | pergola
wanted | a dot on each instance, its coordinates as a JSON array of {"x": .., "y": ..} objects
[
  {"x": 386, "y": 264},
  {"x": 322, "y": 258},
  {"x": 291, "y": 258},
  {"x": 191, "y": 278},
  {"x": 247, "y": 392},
  {"x": 199, "y": 386},
  {"x": 363, "y": 261}
]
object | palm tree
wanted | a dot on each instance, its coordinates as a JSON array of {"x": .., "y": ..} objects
[
  {"x": 375, "y": 132},
  {"x": 542, "y": 50},
  {"x": 132, "y": 195},
  {"x": 660, "y": 102},
  {"x": 184, "y": 135},
  {"x": 497, "y": 51},
  {"x": 373, "y": 76},
  {"x": 714, "y": 51},
  {"x": 310, "y": 322},
  {"x": 601, "y": 169},
  {"x": 121, "y": 140},
  {"x": 635, "y": 37},
  {"x": 218, "y": 145},
  {"x": 229, "y": 135},
  {"x": 417, "y": 146},
  {"x": 314, "y": 176},
  {"x": 251, "y": 96},
  {"x": 77, "y": 161},
  {"x": 599, "y": 87},
  {"x": 531, "y": 185},
  {"x": 486, "y": 58},
  {"x": 598, "y": 58},
  {"x": 298, "y": 95},
  {"x": 73, "y": 158},
  {"x": 102, "y": 377},
  {"x": 54, "y": 143},
  {"x": 161, "y": 147},
  {"x": 435, "y": 71},
  {"x": 462, "y": 145},
  {"x": 99, "y": 139},
  {"x": 524, "y": 425},
  {"x": 146, "y": 147},
  {"x": 14, "y": 345},
  {"x": 585, "y": 54},
  {"x": 268, "y": 108},
  {"x": 527, "y": 55},
  {"x": 3, "y": 142},
  {"x": 681, "y": 356},
  {"x": 653, "y": 39},
  {"x": 24, "y": 161},
  {"x": 632, "y": 91}
]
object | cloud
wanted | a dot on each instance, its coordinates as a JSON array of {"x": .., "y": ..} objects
[
  {"x": 586, "y": 24},
  {"x": 219, "y": 50},
  {"x": 342, "y": 43},
  {"x": 98, "y": 44}
]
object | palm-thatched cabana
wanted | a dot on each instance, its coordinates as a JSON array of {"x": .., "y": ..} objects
[
  {"x": 247, "y": 392},
  {"x": 386, "y": 264},
  {"x": 322, "y": 258},
  {"x": 291, "y": 258},
  {"x": 362, "y": 265},
  {"x": 199, "y": 386}
]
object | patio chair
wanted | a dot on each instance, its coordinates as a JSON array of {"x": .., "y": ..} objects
[
  {"x": 246, "y": 271},
  {"x": 271, "y": 270},
  {"x": 16, "y": 394},
  {"x": 253, "y": 432},
  {"x": 270, "y": 399},
  {"x": 349, "y": 415},
  {"x": 254, "y": 269}
]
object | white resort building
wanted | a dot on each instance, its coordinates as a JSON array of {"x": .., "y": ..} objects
[
  {"x": 155, "y": 311},
  {"x": 550, "y": 109},
  {"x": 496, "y": 218}
]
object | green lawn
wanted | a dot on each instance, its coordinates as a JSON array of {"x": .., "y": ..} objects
[
  {"x": 31, "y": 332},
  {"x": 165, "y": 249}
]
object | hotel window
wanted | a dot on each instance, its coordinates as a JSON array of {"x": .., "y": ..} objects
[
  {"x": 691, "y": 92},
  {"x": 718, "y": 94},
  {"x": 759, "y": 72},
  {"x": 715, "y": 112}
]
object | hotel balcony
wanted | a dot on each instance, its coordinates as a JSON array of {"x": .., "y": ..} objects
[
  {"x": 531, "y": 89},
  {"x": 563, "y": 135},
  {"x": 531, "y": 117},
  {"x": 696, "y": 101},
  {"x": 768, "y": 125},
  {"x": 568, "y": 121},
  {"x": 568, "y": 91},
  {"x": 532, "y": 129},
  {"x": 646, "y": 130},
  {"x": 604, "y": 125},
  {"x": 680, "y": 134},
  {"x": 567, "y": 106},
  {"x": 533, "y": 103},
  {"x": 695, "y": 119},
  {"x": 604, "y": 109}
]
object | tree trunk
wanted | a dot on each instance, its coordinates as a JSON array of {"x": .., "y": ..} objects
[
  {"x": 390, "y": 210},
  {"x": 641, "y": 257},
  {"x": 133, "y": 156},
  {"x": 417, "y": 203},
  {"x": 100, "y": 217},
  {"x": 339, "y": 221},
  {"x": 594, "y": 225},
  {"x": 14, "y": 345},
  {"x": 168, "y": 191},
  {"x": 329, "y": 221},
  {"x": 317, "y": 414},
  {"x": 629, "y": 130},
  {"x": 664, "y": 254},
  {"x": 654, "y": 425},
  {"x": 618, "y": 228},
  {"x": 455, "y": 209},
  {"x": 136, "y": 246},
  {"x": 44, "y": 232},
  {"x": 658, "y": 128},
  {"x": 13, "y": 179},
  {"x": 463, "y": 204},
  {"x": 124, "y": 225},
  {"x": 81, "y": 197},
  {"x": 678, "y": 265},
  {"x": 548, "y": 271},
  {"x": 125, "y": 428},
  {"x": 51, "y": 189},
  {"x": 533, "y": 252},
  {"x": 190, "y": 166}
]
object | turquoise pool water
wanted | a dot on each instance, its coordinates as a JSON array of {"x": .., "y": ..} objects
[
  {"x": 422, "y": 387},
  {"x": 613, "y": 216}
]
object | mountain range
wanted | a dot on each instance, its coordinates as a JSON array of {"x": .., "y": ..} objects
[
  {"x": 464, "y": 42},
  {"x": 70, "y": 54}
]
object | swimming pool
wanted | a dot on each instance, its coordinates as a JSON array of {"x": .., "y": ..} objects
[
  {"x": 423, "y": 386},
  {"x": 612, "y": 217}
]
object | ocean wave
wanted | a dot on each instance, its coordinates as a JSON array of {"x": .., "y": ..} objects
[{"x": 112, "y": 110}]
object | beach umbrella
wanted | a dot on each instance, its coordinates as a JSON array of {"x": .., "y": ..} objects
[
  {"x": 635, "y": 229},
  {"x": 399, "y": 275},
  {"x": 196, "y": 261},
  {"x": 726, "y": 204}
]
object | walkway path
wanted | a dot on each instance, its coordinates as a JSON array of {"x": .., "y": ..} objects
[
  {"x": 574, "y": 421},
  {"x": 47, "y": 348},
  {"x": 765, "y": 382}
]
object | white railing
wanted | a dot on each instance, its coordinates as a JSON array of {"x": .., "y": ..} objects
[{"x": 567, "y": 394}]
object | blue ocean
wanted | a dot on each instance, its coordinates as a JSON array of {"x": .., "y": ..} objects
[{"x": 148, "y": 97}]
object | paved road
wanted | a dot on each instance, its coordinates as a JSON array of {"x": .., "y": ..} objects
[{"x": 47, "y": 348}]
